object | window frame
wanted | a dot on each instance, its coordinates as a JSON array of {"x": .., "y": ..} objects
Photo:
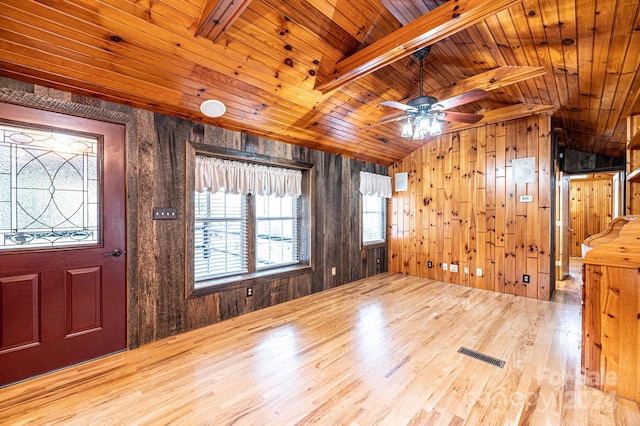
[
  {"x": 385, "y": 209},
  {"x": 305, "y": 223}
]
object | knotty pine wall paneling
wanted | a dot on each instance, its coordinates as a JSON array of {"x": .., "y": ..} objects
[
  {"x": 462, "y": 208},
  {"x": 590, "y": 208},
  {"x": 156, "y": 177}
]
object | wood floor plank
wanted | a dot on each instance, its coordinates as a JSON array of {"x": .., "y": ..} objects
[{"x": 378, "y": 351}]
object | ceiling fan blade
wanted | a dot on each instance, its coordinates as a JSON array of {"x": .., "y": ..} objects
[
  {"x": 461, "y": 117},
  {"x": 397, "y": 105},
  {"x": 463, "y": 98},
  {"x": 396, "y": 116}
]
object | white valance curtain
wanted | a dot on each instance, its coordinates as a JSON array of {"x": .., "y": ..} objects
[
  {"x": 236, "y": 177},
  {"x": 373, "y": 184}
]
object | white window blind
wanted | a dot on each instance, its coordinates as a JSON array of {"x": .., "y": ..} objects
[
  {"x": 277, "y": 231},
  {"x": 374, "y": 189},
  {"x": 220, "y": 235},
  {"x": 373, "y": 219}
]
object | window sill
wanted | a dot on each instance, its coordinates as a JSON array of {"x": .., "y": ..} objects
[
  {"x": 378, "y": 244},
  {"x": 245, "y": 280}
]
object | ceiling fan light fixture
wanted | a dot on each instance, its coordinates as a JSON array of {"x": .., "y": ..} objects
[
  {"x": 436, "y": 129},
  {"x": 213, "y": 108},
  {"x": 407, "y": 128},
  {"x": 425, "y": 123},
  {"x": 417, "y": 132},
  {"x": 424, "y": 113}
]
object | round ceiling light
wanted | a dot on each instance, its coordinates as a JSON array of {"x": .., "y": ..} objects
[{"x": 212, "y": 108}]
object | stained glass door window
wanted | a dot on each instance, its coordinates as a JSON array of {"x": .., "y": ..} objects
[{"x": 49, "y": 190}]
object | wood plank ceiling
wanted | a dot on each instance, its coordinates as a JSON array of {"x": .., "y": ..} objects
[{"x": 313, "y": 73}]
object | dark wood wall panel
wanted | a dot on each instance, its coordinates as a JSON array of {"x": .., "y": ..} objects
[
  {"x": 162, "y": 307},
  {"x": 462, "y": 208},
  {"x": 156, "y": 177}
]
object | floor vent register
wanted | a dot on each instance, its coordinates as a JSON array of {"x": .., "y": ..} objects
[{"x": 482, "y": 357}]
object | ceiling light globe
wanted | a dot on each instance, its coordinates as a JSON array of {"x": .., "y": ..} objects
[
  {"x": 407, "y": 129},
  {"x": 213, "y": 108}
]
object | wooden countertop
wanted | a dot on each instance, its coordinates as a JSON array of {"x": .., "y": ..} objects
[{"x": 622, "y": 252}]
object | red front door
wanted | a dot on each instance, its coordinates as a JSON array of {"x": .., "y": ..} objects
[{"x": 62, "y": 241}]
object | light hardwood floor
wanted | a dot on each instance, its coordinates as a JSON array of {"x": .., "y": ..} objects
[{"x": 378, "y": 351}]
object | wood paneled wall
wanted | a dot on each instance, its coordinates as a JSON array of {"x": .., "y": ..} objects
[
  {"x": 156, "y": 147},
  {"x": 590, "y": 208},
  {"x": 462, "y": 207}
]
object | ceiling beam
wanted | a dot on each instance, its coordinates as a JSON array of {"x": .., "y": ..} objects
[
  {"x": 440, "y": 23},
  {"x": 218, "y": 16},
  {"x": 489, "y": 80}
]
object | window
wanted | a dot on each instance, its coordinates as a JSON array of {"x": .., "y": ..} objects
[
  {"x": 277, "y": 231},
  {"x": 222, "y": 239},
  {"x": 375, "y": 189},
  {"x": 49, "y": 188},
  {"x": 249, "y": 222},
  {"x": 373, "y": 219},
  {"x": 220, "y": 234}
]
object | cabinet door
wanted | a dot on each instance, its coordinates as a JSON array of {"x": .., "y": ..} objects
[{"x": 591, "y": 329}]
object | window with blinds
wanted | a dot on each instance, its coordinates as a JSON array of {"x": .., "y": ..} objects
[
  {"x": 373, "y": 219},
  {"x": 250, "y": 220},
  {"x": 276, "y": 231},
  {"x": 220, "y": 235},
  {"x": 237, "y": 234}
]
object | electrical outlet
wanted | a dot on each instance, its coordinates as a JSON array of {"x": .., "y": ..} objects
[
  {"x": 466, "y": 269},
  {"x": 525, "y": 279},
  {"x": 429, "y": 264},
  {"x": 249, "y": 291},
  {"x": 333, "y": 271},
  {"x": 453, "y": 267},
  {"x": 478, "y": 272},
  {"x": 445, "y": 266},
  {"x": 378, "y": 260}
]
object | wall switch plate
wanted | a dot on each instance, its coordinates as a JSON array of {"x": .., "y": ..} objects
[
  {"x": 165, "y": 213},
  {"x": 333, "y": 271},
  {"x": 453, "y": 267},
  {"x": 478, "y": 272},
  {"x": 445, "y": 266},
  {"x": 466, "y": 269},
  {"x": 525, "y": 279}
]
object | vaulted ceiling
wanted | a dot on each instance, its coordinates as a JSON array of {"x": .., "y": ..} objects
[{"x": 313, "y": 73}]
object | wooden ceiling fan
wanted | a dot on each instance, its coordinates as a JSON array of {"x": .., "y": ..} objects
[{"x": 423, "y": 114}]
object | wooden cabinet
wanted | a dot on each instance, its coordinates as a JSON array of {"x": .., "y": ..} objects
[
  {"x": 633, "y": 164},
  {"x": 611, "y": 314}
]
